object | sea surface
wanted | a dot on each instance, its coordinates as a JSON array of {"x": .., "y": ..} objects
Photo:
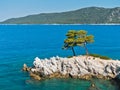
[{"x": 20, "y": 44}]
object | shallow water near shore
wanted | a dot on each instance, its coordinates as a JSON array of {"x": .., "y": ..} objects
[
  {"x": 20, "y": 44},
  {"x": 72, "y": 84}
]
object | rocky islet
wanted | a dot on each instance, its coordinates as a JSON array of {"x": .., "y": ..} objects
[{"x": 83, "y": 67}]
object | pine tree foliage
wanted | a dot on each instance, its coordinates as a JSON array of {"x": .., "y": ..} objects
[{"x": 77, "y": 38}]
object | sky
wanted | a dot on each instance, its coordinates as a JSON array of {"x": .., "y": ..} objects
[{"x": 20, "y": 8}]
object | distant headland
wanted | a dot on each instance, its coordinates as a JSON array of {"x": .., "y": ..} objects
[{"x": 89, "y": 15}]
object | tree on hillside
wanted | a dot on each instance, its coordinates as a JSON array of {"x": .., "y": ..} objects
[
  {"x": 69, "y": 42},
  {"x": 83, "y": 39}
]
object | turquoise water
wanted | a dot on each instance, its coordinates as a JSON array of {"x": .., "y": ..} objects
[{"x": 20, "y": 44}]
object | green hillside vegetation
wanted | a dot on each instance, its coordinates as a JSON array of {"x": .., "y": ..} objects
[{"x": 90, "y": 15}]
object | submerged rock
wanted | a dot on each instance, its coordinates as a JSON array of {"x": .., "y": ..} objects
[
  {"x": 25, "y": 68},
  {"x": 84, "y": 67},
  {"x": 93, "y": 87},
  {"x": 35, "y": 76}
]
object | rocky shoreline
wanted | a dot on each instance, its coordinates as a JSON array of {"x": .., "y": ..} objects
[{"x": 82, "y": 67}]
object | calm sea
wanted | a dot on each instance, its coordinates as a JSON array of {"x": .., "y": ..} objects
[{"x": 20, "y": 44}]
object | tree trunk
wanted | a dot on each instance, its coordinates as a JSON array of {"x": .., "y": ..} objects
[
  {"x": 73, "y": 51},
  {"x": 86, "y": 50}
]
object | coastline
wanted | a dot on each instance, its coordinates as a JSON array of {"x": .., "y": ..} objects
[{"x": 63, "y": 24}]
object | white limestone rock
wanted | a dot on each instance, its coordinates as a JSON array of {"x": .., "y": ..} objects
[{"x": 77, "y": 66}]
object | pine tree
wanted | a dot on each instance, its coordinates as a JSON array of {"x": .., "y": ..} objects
[
  {"x": 69, "y": 42},
  {"x": 77, "y": 38},
  {"x": 83, "y": 39}
]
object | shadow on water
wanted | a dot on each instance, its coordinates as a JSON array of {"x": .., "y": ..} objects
[{"x": 117, "y": 82}]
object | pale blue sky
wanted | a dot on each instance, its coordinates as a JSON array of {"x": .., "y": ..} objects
[{"x": 19, "y": 8}]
